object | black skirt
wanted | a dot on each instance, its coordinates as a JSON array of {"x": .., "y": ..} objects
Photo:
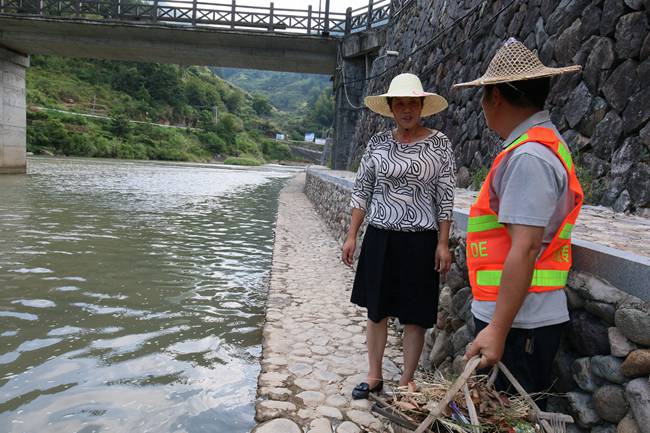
[{"x": 396, "y": 276}]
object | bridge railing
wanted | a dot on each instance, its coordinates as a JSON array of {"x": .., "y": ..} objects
[{"x": 221, "y": 15}]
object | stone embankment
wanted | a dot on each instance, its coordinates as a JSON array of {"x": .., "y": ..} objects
[
  {"x": 603, "y": 365},
  {"x": 314, "y": 338}
]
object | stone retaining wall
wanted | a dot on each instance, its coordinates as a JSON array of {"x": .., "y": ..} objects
[
  {"x": 603, "y": 364},
  {"x": 602, "y": 112}
]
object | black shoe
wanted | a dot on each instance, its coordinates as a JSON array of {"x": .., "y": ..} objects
[{"x": 362, "y": 390}]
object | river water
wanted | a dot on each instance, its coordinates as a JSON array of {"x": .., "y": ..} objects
[{"x": 132, "y": 295}]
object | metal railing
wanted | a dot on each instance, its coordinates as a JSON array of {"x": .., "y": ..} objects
[{"x": 220, "y": 15}]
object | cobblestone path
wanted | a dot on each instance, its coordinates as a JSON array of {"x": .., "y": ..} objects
[{"x": 314, "y": 339}]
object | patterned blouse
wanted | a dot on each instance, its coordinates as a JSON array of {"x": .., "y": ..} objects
[{"x": 406, "y": 187}]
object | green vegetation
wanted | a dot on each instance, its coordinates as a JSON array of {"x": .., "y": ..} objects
[
  {"x": 478, "y": 176},
  {"x": 118, "y": 93},
  {"x": 243, "y": 160}
]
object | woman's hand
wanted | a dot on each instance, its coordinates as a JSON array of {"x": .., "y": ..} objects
[
  {"x": 347, "y": 255},
  {"x": 443, "y": 259}
]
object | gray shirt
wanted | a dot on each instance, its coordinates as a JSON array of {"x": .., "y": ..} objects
[{"x": 531, "y": 187}]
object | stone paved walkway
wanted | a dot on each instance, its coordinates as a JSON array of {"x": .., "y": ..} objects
[
  {"x": 314, "y": 338},
  {"x": 597, "y": 224}
]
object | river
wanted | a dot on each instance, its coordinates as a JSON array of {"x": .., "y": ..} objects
[{"x": 132, "y": 295}]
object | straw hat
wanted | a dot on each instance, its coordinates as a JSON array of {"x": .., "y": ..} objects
[
  {"x": 514, "y": 62},
  {"x": 406, "y": 85}
]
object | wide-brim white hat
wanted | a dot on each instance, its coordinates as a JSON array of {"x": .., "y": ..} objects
[
  {"x": 406, "y": 86},
  {"x": 514, "y": 62}
]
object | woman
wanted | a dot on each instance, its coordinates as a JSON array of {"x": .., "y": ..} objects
[{"x": 405, "y": 190}]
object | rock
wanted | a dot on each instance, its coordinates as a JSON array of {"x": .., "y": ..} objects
[
  {"x": 460, "y": 300},
  {"x": 645, "y": 49},
  {"x": 320, "y": 425},
  {"x": 638, "y": 396},
  {"x": 540, "y": 33},
  {"x": 568, "y": 42},
  {"x": 590, "y": 21},
  {"x": 463, "y": 178},
  {"x": 584, "y": 377},
  {"x": 606, "y": 135},
  {"x": 455, "y": 278},
  {"x": 587, "y": 334},
  {"x": 564, "y": 14},
  {"x": 623, "y": 203},
  {"x": 574, "y": 301},
  {"x": 308, "y": 384},
  {"x": 269, "y": 409},
  {"x": 278, "y": 425},
  {"x": 330, "y": 412},
  {"x": 612, "y": 11},
  {"x": 628, "y": 425},
  {"x": 578, "y": 104},
  {"x": 575, "y": 141},
  {"x": 460, "y": 339},
  {"x": 596, "y": 166},
  {"x": 626, "y": 156},
  {"x": 608, "y": 368},
  {"x": 618, "y": 344},
  {"x": 621, "y": 84},
  {"x": 595, "y": 289},
  {"x": 610, "y": 404},
  {"x": 595, "y": 114},
  {"x": 637, "y": 111},
  {"x": 604, "y": 428},
  {"x": 613, "y": 189},
  {"x": 562, "y": 369},
  {"x": 311, "y": 398},
  {"x": 638, "y": 185},
  {"x": 637, "y": 364},
  {"x": 602, "y": 310},
  {"x": 602, "y": 58},
  {"x": 631, "y": 30},
  {"x": 634, "y": 324},
  {"x": 441, "y": 348},
  {"x": 644, "y": 134},
  {"x": 364, "y": 419},
  {"x": 634, "y": 4},
  {"x": 582, "y": 406},
  {"x": 644, "y": 71},
  {"x": 348, "y": 427}
]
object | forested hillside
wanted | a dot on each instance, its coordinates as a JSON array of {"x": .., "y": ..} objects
[{"x": 122, "y": 92}]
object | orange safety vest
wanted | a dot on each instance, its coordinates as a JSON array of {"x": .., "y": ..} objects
[{"x": 488, "y": 241}]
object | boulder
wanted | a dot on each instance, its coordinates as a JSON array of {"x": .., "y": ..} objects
[
  {"x": 279, "y": 425},
  {"x": 637, "y": 111},
  {"x": 608, "y": 368},
  {"x": 441, "y": 348},
  {"x": 626, "y": 156},
  {"x": 638, "y": 396},
  {"x": 463, "y": 178},
  {"x": 618, "y": 344},
  {"x": 638, "y": 185},
  {"x": 595, "y": 289},
  {"x": 612, "y": 11},
  {"x": 590, "y": 21},
  {"x": 578, "y": 104},
  {"x": 637, "y": 364},
  {"x": 587, "y": 334},
  {"x": 634, "y": 324},
  {"x": 606, "y": 135},
  {"x": 628, "y": 425},
  {"x": 621, "y": 84},
  {"x": 595, "y": 114},
  {"x": 610, "y": 403},
  {"x": 623, "y": 203},
  {"x": 583, "y": 408},
  {"x": 631, "y": 30},
  {"x": 568, "y": 42},
  {"x": 602, "y": 58},
  {"x": 604, "y": 428},
  {"x": 583, "y": 376},
  {"x": 460, "y": 339}
]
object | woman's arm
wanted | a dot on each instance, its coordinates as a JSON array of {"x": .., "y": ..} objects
[
  {"x": 445, "y": 194},
  {"x": 360, "y": 198}
]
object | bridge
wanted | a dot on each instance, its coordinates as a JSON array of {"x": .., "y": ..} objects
[{"x": 189, "y": 32}]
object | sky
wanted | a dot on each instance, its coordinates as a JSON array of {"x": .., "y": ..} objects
[{"x": 335, "y": 5}]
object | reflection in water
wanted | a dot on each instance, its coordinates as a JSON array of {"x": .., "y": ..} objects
[{"x": 131, "y": 296}]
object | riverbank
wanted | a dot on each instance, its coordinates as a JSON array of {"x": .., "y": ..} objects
[{"x": 314, "y": 338}]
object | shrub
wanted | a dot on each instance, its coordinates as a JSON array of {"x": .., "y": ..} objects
[{"x": 243, "y": 160}]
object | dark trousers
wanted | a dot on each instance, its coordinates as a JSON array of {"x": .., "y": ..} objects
[{"x": 529, "y": 355}]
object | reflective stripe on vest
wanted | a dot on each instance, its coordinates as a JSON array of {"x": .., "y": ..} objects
[
  {"x": 541, "y": 278},
  {"x": 482, "y": 223}
]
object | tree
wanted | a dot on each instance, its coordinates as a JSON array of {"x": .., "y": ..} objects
[{"x": 261, "y": 105}]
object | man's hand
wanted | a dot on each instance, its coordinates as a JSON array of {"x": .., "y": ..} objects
[
  {"x": 443, "y": 259},
  {"x": 489, "y": 343},
  {"x": 347, "y": 254}
]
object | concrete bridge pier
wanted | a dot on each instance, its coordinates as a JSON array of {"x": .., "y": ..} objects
[{"x": 13, "y": 114}]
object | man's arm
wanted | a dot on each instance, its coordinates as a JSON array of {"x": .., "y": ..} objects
[{"x": 515, "y": 282}]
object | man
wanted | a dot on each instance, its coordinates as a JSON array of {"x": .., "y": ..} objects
[{"x": 518, "y": 234}]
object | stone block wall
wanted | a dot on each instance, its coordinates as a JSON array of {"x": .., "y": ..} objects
[
  {"x": 603, "y": 365},
  {"x": 13, "y": 121},
  {"x": 603, "y": 111}
]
